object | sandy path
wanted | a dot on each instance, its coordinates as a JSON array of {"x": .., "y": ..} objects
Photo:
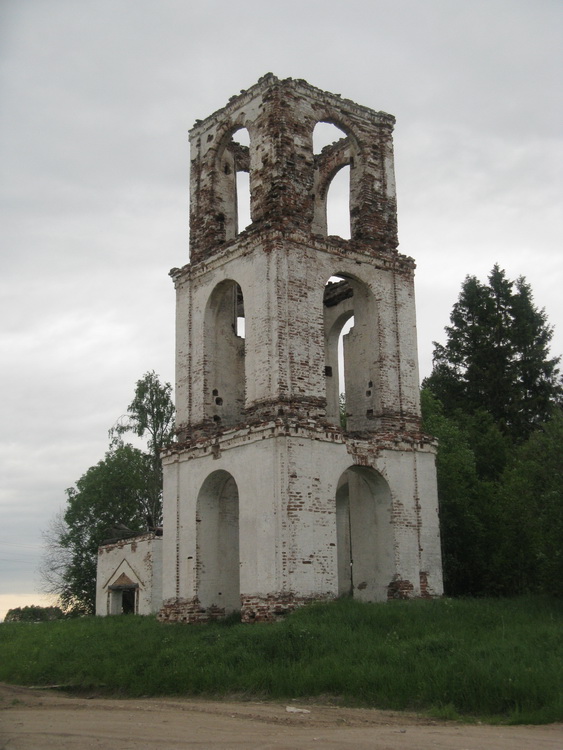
[{"x": 38, "y": 720}]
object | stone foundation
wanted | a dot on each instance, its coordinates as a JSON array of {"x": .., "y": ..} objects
[
  {"x": 189, "y": 610},
  {"x": 270, "y": 608}
]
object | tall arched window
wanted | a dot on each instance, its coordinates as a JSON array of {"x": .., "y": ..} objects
[
  {"x": 338, "y": 204},
  {"x": 242, "y": 140},
  {"x": 364, "y": 539},
  {"x": 331, "y": 147},
  {"x": 233, "y": 184},
  {"x": 351, "y": 353},
  {"x": 224, "y": 378},
  {"x": 218, "y": 573},
  {"x": 338, "y": 318}
]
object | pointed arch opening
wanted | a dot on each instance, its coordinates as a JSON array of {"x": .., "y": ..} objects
[
  {"x": 364, "y": 535},
  {"x": 224, "y": 354},
  {"x": 218, "y": 554},
  {"x": 351, "y": 354}
]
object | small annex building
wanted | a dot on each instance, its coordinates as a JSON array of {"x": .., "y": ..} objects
[
  {"x": 276, "y": 493},
  {"x": 129, "y": 576}
]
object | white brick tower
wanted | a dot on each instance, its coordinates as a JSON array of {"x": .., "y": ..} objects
[{"x": 268, "y": 503}]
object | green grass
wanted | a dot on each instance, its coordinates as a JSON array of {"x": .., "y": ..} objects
[{"x": 497, "y": 660}]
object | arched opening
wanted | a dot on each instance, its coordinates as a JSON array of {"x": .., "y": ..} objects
[
  {"x": 332, "y": 181},
  {"x": 241, "y": 138},
  {"x": 351, "y": 354},
  {"x": 218, "y": 570},
  {"x": 364, "y": 535},
  {"x": 243, "y": 201},
  {"x": 338, "y": 204},
  {"x": 224, "y": 379},
  {"x": 342, "y": 347},
  {"x": 233, "y": 183},
  {"x": 326, "y": 134}
]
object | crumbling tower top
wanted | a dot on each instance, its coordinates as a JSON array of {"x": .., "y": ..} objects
[{"x": 288, "y": 182}]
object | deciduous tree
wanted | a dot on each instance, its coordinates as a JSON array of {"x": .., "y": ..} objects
[
  {"x": 466, "y": 511},
  {"x": 118, "y": 497},
  {"x": 529, "y": 552},
  {"x": 150, "y": 414},
  {"x": 33, "y": 613},
  {"x": 110, "y": 496}
]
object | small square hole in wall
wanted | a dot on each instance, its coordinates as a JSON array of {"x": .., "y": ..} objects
[{"x": 328, "y": 371}]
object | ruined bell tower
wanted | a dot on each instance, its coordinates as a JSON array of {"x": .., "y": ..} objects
[{"x": 269, "y": 502}]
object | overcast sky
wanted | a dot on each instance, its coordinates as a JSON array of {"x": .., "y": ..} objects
[{"x": 96, "y": 100}]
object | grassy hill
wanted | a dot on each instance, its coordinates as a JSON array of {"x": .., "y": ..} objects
[{"x": 497, "y": 660}]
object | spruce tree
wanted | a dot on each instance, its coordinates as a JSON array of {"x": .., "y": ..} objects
[{"x": 496, "y": 357}]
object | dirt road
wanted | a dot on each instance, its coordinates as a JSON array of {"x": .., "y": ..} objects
[{"x": 41, "y": 720}]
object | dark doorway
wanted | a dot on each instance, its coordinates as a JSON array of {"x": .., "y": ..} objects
[{"x": 128, "y": 602}]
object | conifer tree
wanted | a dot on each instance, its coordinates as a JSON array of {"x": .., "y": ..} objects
[{"x": 496, "y": 357}]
